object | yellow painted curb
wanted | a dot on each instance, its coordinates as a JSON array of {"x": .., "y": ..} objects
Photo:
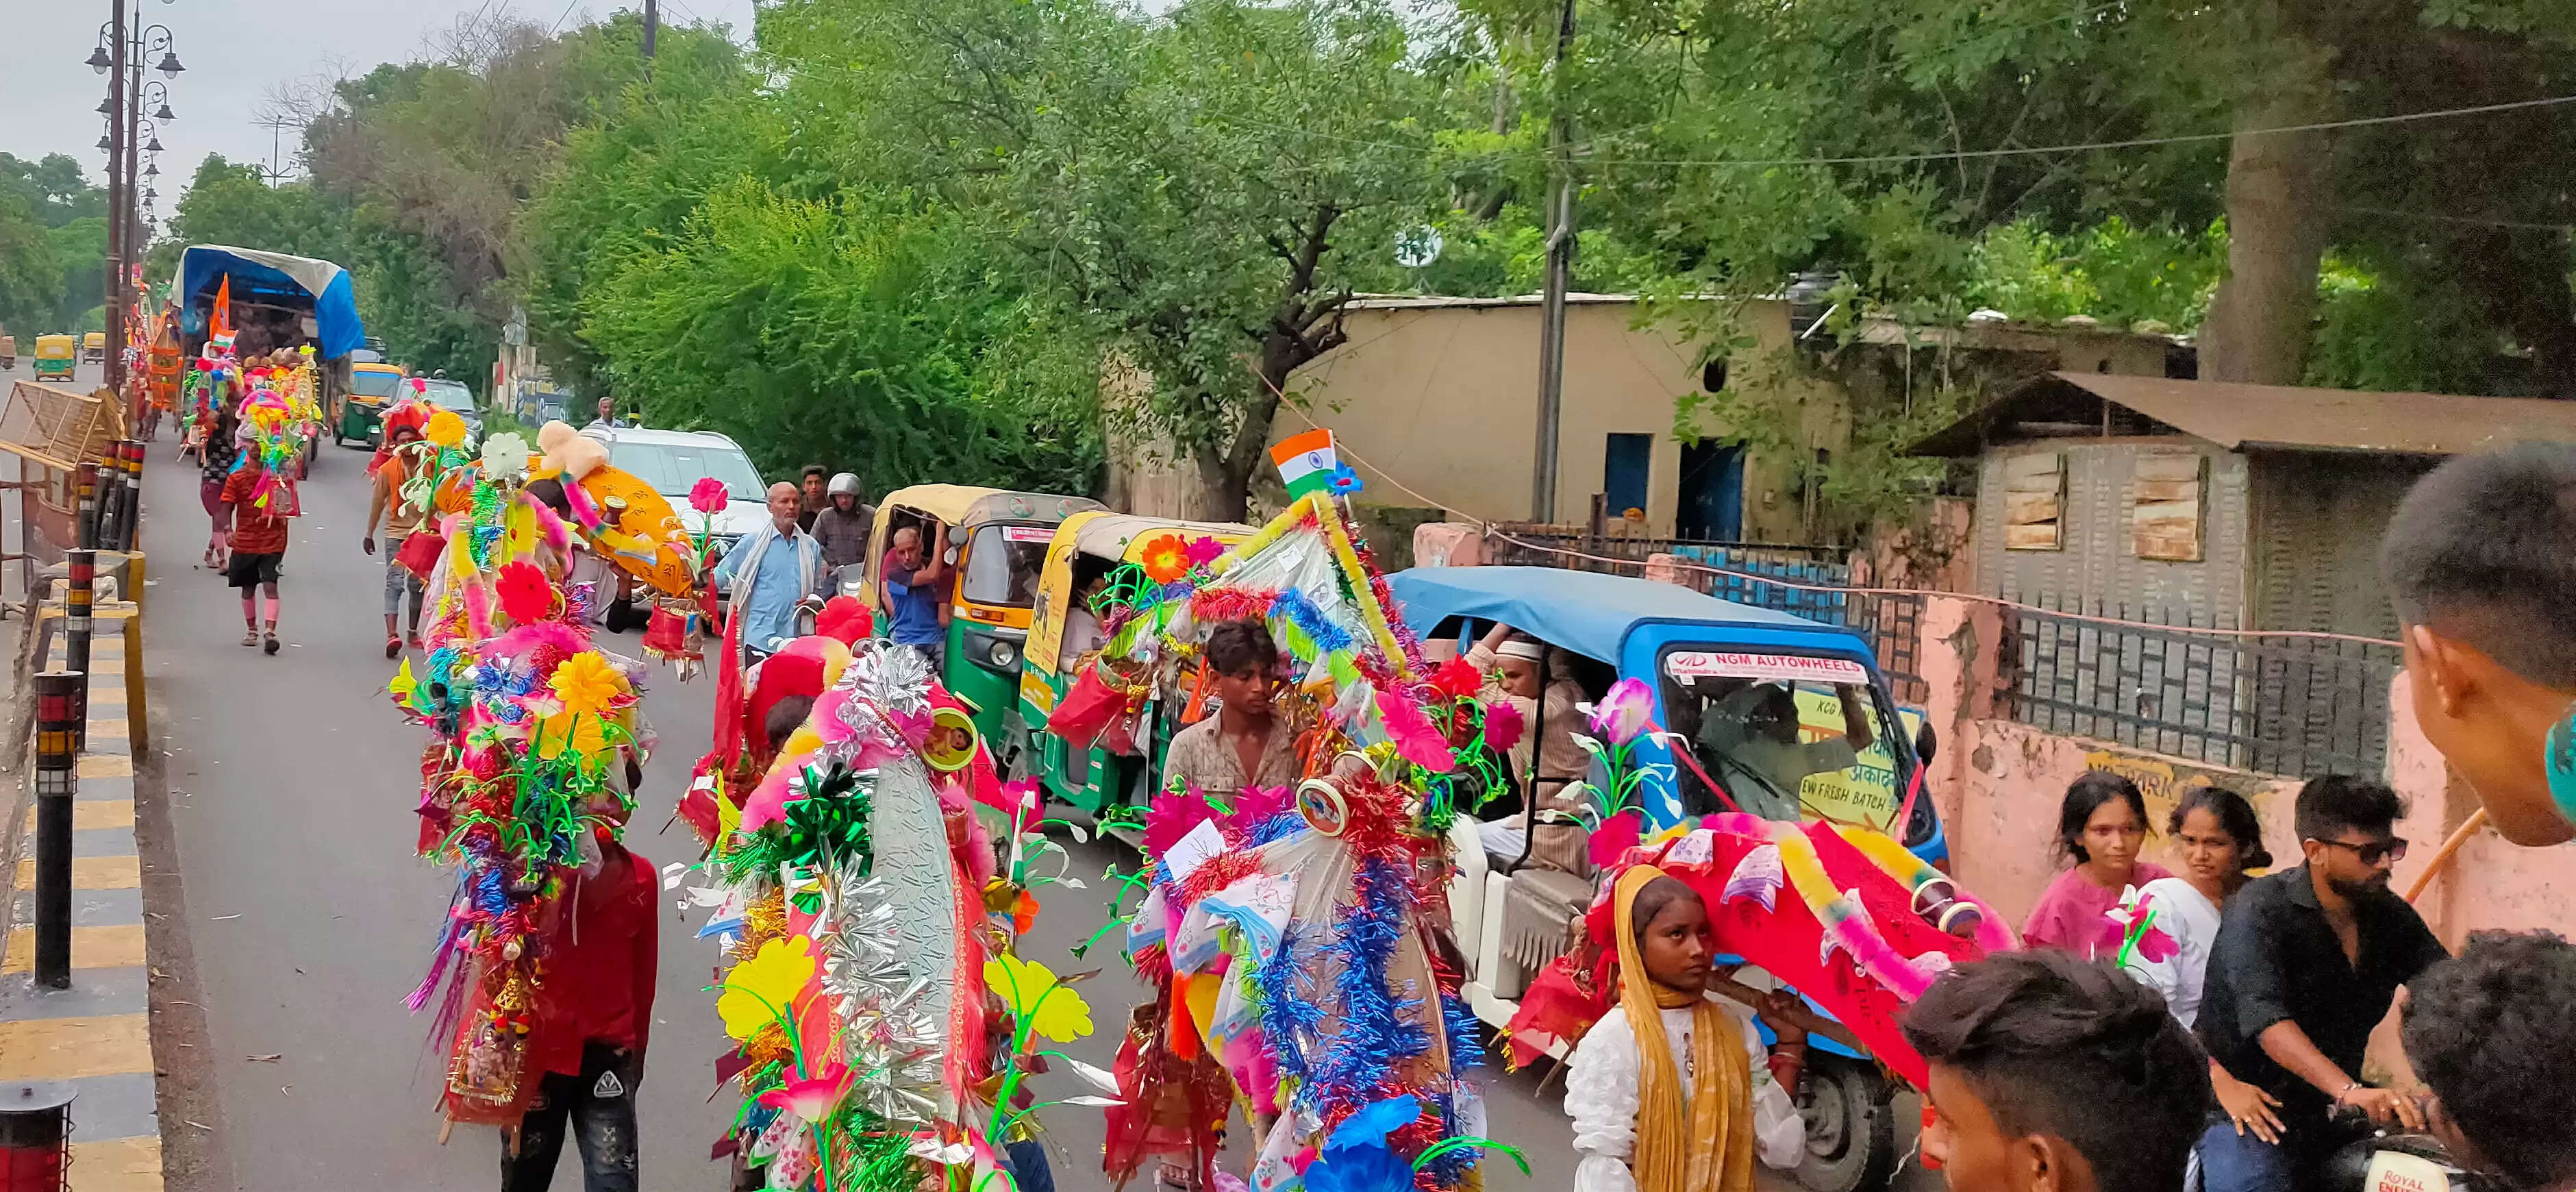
[
  {"x": 116, "y": 1165},
  {"x": 70, "y": 1048},
  {"x": 91, "y": 873},
  {"x": 94, "y": 813},
  {"x": 120, "y": 946},
  {"x": 103, "y": 765}
]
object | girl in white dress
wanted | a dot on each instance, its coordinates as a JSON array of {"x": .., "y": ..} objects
[
  {"x": 1672, "y": 1091},
  {"x": 2220, "y": 840}
]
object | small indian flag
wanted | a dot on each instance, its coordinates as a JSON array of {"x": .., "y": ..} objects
[{"x": 1306, "y": 462}]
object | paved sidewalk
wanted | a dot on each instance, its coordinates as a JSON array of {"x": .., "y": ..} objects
[{"x": 96, "y": 1035}]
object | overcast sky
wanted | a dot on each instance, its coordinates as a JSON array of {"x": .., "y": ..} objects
[{"x": 236, "y": 53}]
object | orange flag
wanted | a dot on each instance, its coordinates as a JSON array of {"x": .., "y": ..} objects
[{"x": 221, "y": 322}]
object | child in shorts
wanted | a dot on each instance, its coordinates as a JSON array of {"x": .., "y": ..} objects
[{"x": 257, "y": 538}]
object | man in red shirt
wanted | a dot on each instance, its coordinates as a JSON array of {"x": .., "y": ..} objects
[
  {"x": 594, "y": 1011},
  {"x": 257, "y": 538}
]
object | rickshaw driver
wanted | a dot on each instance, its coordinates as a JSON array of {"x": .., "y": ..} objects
[{"x": 1753, "y": 732}]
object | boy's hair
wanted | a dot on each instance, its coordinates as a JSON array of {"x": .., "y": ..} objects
[
  {"x": 2484, "y": 548},
  {"x": 811, "y": 470},
  {"x": 1233, "y": 645},
  {"x": 784, "y": 717},
  {"x": 2494, "y": 1033},
  {"x": 2075, "y": 1050},
  {"x": 2086, "y": 795},
  {"x": 2335, "y": 803}
]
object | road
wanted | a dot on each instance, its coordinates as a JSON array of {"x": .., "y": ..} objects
[{"x": 288, "y": 784}]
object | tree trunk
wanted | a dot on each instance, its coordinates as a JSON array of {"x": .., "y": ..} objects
[{"x": 2278, "y": 217}]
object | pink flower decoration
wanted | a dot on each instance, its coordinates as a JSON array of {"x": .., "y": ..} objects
[
  {"x": 2155, "y": 947},
  {"x": 1202, "y": 550},
  {"x": 1416, "y": 739},
  {"x": 1503, "y": 725},
  {"x": 813, "y": 1098},
  {"x": 1624, "y": 712},
  {"x": 708, "y": 496},
  {"x": 1615, "y": 836}
]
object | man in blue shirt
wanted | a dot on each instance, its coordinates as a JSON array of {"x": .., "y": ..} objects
[
  {"x": 770, "y": 572},
  {"x": 914, "y": 593}
]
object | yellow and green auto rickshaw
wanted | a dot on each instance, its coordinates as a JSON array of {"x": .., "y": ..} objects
[
  {"x": 56, "y": 357},
  {"x": 1087, "y": 548},
  {"x": 994, "y": 539},
  {"x": 373, "y": 388}
]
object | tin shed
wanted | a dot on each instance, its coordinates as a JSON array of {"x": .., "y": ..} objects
[{"x": 2217, "y": 505}]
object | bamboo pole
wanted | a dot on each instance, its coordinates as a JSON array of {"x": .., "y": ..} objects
[{"x": 2450, "y": 848}]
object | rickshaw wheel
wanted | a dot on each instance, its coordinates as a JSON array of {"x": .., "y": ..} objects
[{"x": 1851, "y": 1126}]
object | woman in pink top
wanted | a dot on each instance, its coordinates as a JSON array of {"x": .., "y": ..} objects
[{"x": 2101, "y": 825}]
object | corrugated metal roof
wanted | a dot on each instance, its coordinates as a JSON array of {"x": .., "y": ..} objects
[{"x": 2249, "y": 417}]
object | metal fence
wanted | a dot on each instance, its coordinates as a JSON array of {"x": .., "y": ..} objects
[{"x": 2273, "y": 705}]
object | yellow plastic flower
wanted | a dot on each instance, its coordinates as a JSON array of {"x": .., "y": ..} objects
[
  {"x": 760, "y": 989},
  {"x": 1050, "y": 1007},
  {"x": 446, "y": 429},
  {"x": 586, "y": 683},
  {"x": 567, "y": 730},
  {"x": 403, "y": 683}
]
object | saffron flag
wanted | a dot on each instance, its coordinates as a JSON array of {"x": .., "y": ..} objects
[
  {"x": 1306, "y": 462},
  {"x": 219, "y": 325}
]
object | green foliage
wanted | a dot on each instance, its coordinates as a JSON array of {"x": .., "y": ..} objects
[
  {"x": 2384, "y": 326},
  {"x": 2119, "y": 274},
  {"x": 53, "y": 244},
  {"x": 864, "y": 332}
]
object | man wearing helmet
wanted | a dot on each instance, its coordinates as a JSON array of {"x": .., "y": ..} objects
[{"x": 843, "y": 524}]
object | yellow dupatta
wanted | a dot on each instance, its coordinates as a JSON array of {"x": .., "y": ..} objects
[{"x": 1709, "y": 1148}]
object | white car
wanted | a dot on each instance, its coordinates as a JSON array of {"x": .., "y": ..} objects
[{"x": 673, "y": 460}]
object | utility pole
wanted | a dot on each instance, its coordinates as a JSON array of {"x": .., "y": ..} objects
[
  {"x": 652, "y": 26},
  {"x": 119, "y": 195},
  {"x": 1560, "y": 260}
]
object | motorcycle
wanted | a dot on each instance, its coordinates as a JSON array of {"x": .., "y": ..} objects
[{"x": 2403, "y": 1162}]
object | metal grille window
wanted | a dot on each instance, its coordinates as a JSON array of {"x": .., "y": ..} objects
[{"x": 2290, "y": 706}]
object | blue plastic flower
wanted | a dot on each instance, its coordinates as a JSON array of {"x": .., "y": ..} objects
[
  {"x": 1345, "y": 481},
  {"x": 1356, "y": 1157}
]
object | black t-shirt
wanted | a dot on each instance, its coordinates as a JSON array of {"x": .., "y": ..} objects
[{"x": 2277, "y": 960}]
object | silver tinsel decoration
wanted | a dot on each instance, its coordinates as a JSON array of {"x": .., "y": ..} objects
[{"x": 889, "y": 1037}]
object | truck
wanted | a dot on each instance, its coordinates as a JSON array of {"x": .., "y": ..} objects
[{"x": 298, "y": 300}]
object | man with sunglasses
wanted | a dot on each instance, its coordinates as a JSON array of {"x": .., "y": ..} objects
[{"x": 2307, "y": 962}]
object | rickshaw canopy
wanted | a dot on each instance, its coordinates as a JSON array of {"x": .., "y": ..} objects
[
  {"x": 967, "y": 504},
  {"x": 270, "y": 276},
  {"x": 1122, "y": 536},
  {"x": 1584, "y": 611},
  {"x": 56, "y": 347}
]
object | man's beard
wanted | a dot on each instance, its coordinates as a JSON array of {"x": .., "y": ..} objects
[{"x": 2362, "y": 887}]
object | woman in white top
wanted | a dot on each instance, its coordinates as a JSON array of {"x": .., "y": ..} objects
[
  {"x": 2220, "y": 841},
  {"x": 1670, "y": 1091}
]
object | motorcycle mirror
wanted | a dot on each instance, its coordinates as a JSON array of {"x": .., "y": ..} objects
[{"x": 956, "y": 535}]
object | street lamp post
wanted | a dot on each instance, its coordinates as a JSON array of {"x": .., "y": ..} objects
[{"x": 122, "y": 57}]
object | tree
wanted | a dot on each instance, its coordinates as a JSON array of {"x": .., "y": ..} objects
[{"x": 1199, "y": 193}]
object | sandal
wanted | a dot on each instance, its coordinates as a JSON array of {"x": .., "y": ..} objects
[
  {"x": 393, "y": 646},
  {"x": 269, "y": 646},
  {"x": 415, "y": 641},
  {"x": 251, "y": 638}
]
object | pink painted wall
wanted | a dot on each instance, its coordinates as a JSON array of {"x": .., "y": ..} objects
[{"x": 1997, "y": 783}]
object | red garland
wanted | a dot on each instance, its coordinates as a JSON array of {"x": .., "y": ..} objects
[
  {"x": 1211, "y": 606},
  {"x": 1218, "y": 872}
]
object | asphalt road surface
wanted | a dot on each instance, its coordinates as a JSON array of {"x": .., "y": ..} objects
[{"x": 289, "y": 784}]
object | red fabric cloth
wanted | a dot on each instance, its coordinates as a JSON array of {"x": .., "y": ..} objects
[
  {"x": 596, "y": 983},
  {"x": 726, "y": 748},
  {"x": 795, "y": 670},
  {"x": 255, "y": 531}
]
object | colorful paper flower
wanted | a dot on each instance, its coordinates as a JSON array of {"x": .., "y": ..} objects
[
  {"x": 813, "y": 1098},
  {"x": 526, "y": 597},
  {"x": 1203, "y": 550},
  {"x": 1345, "y": 482},
  {"x": 1166, "y": 559},
  {"x": 587, "y": 684},
  {"x": 708, "y": 496},
  {"x": 760, "y": 990},
  {"x": 1417, "y": 740},
  {"x": 1358, "y": 1155},
  {"x": 1503, "y": 725},
  {"x": 1456, "y": 678},
  {"x": 1624, "y": 712},
  {"x": 1048, "y": 1006},
  {"x": 585, "y": 736},
  {"x": 403, "y": 684},
  {"x": 1615, "y": 836},
  {"x": 505, "y": 457},
  {"x": 446, "y": 429},
  {"x": 2131, "y": 932}
]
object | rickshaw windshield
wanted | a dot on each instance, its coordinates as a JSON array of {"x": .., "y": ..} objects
[
  {"x": 1789, "y": 737},
  {"x": 1002, "y": 565},
  {"x": 369, "y": 383}
]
